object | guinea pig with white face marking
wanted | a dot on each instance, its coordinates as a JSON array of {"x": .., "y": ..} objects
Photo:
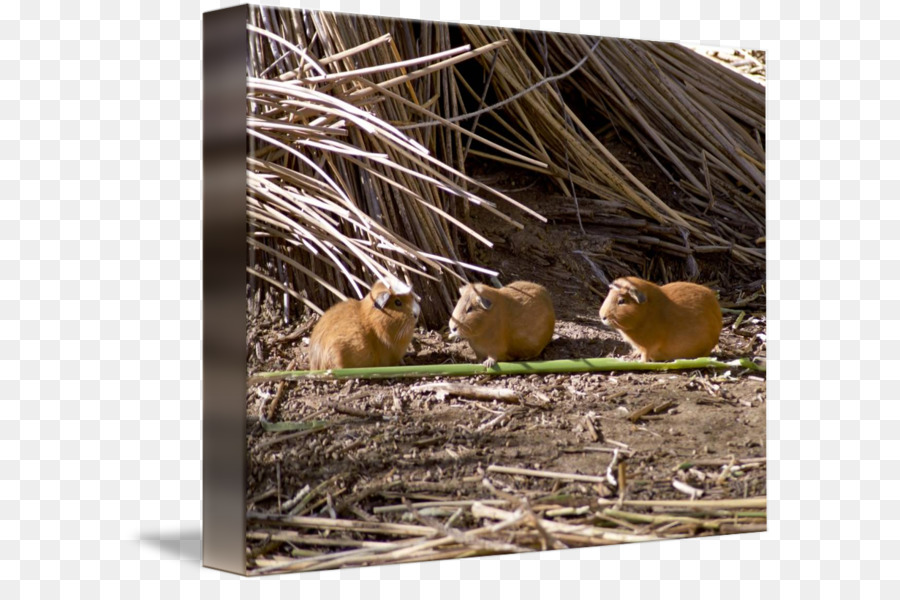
[
  {"x": 662, "y": 323},
  {"x": 511, "y": 323},
  {"x": 372, "y": 332}
]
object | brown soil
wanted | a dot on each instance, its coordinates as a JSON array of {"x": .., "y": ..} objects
[{"x": 385, "y": 441}]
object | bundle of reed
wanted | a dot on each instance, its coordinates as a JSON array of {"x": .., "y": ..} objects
[
  {"x": 360, "y": 131},
  {"x": 700, "y": 122},
  {"x": 337, "y": 196},
  {"x": 703, "y": 124}
]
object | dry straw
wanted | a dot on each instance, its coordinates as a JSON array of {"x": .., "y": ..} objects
[
  {"x": 359, "y": 130},
  {"x": 337, "y": 195}
]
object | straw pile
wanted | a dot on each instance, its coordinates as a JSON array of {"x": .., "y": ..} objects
[
  {"x": 703, "y": 125},
  {"x": 504, "y": 526},
  {"x": 359, "y": 131},
  {"x": 337, "y": 196}
]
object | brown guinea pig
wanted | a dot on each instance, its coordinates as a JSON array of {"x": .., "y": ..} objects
[
  {"x": 514, "y": 322},
  {"x": 677, "y": 320},
  {"x": 372, "y": 332}
]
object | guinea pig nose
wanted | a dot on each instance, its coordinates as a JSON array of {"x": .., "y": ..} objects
[{"x": 416, "y": 309}]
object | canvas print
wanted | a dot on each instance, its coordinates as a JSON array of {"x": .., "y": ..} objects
[{"x": 505, "y": 291}]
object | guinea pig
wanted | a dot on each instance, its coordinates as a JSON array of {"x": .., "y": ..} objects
[
  {"x": 372, "y": 332},
  {"x": 514, "y": 322},
  {"x": 677, "y": 320}
]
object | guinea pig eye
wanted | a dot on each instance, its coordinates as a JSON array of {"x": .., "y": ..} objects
[
  {"x": 398, "y": 302},
  {"x": 621, "y": 301},
  {"x": 470, "y": 309}
]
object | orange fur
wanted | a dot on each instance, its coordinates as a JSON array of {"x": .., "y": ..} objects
[
  {"x": 517, "y": 324},
  {"x": 357, "y": 333},
  {"x": 677, "y": 320}
]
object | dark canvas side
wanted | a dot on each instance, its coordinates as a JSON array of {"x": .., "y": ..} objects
[{"x": 224, "y": 285}]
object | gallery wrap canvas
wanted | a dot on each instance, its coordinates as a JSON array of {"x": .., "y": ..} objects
[{"x": 473, "y": 291}]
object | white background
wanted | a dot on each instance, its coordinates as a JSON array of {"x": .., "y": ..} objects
[{"x": 100, "y": 307}]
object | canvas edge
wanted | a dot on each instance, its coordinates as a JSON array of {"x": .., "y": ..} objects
[{"x": 224, "y": 285}]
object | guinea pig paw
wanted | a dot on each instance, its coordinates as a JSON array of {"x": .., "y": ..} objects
[{"x": 489, "y": 363}]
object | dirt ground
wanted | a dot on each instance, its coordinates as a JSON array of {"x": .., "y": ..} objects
[{"x": 383, "y": 441}]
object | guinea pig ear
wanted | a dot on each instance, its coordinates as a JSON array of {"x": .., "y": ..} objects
[
  {"x": 637, "y": 295},
  {"x": 485, "y": 303},
  {"x": 396, "y": 286},
  {"x": 381, "y": 299}
]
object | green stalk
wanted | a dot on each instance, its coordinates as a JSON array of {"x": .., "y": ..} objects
[{"x": 580, "y": 365}]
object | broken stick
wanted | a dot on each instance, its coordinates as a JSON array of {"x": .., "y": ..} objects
[{"x": 478, "y": 392}]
